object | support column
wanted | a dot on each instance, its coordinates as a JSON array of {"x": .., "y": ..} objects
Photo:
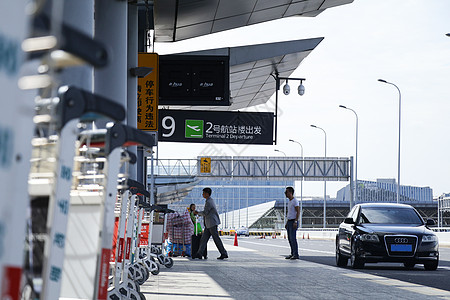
[
  {"x": 111, "y": 29},
  {"x": 132, "y": 62}
]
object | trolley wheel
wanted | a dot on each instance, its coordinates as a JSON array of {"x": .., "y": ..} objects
[
  {"x": 135, "y": 287},
  {"x": 141, "y": 280},
  {"x": 168, "y": 262},
  {"x": 142, "y": 296},
  {"x": 156, "y": 272},
  {"x": 27, "y": 293}
]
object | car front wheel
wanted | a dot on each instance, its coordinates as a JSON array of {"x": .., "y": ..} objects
[
  {"x": 355, "y": 260},
  {"x": 341, "y": 260}
]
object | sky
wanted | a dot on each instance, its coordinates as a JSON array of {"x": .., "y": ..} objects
[{"x": 403, "y": 42}]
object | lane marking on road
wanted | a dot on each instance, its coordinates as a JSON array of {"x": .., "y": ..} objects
[
  {"x": 287, "y": 247},
  {"x": 408, "y": 286}
]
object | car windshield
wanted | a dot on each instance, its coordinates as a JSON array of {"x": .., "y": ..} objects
[{"x": 389, "y": 215}]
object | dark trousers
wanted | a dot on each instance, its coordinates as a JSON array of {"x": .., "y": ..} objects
[
  {"x": 292, "y": 237},
  {"x": 205, "y": 237}
]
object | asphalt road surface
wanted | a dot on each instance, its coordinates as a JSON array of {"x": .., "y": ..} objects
[{"x": 323, "y": 252}]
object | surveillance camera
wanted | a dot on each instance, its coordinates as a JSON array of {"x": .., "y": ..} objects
[
  {"x": 286, "y": 89},
  {"x": 301, "y": 89}
]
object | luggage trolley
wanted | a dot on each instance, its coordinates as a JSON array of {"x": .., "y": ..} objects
[
  {"x": 141, "y": 266},
  {"x": 148, "y": 250},
  {"x": 58, "y": 111},
  {"x": 105, "y": 152},
  {"x": 16, "y": 132},
  {"x": 119, "y": 136},
  {"x": 50, "y": 182},
  {"x": 122, "y": 284},
  {"x": 157, "y": 220}
]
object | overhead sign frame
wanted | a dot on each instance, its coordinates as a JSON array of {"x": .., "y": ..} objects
[{"x": 223, "y": 127}]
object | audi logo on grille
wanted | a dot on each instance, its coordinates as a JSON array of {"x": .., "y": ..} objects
[{"x": 401, "y": 240}]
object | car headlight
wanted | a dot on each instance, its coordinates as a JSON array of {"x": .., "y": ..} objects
[
  {"x": 367, "y": 237},
  {"x": 429, "y": 238}
]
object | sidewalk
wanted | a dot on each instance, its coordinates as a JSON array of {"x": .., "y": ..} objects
[{"x": 250, "y": 274}]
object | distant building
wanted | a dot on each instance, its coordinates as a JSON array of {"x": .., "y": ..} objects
[
  {"x": 443, "y": 209},
  {"x": 385, "y": 190}
]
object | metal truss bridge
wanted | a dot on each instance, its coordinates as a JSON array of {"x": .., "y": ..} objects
[{"x": 295, "y": 168}]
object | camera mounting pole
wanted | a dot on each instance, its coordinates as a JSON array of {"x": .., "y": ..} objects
[{"x": 277, "y": 88}]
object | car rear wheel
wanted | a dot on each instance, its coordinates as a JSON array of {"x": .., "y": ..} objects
[
  {"x": 432, "y": 265},
  {"x": 409, "y": 265},
  {"x": 356, "y": 261},
  {"x": 341, "y": 260}
]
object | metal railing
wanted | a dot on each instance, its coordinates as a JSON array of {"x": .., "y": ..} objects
[{"x": 175, "y": 167}]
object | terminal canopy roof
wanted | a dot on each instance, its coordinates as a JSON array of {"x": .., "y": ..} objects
[
  {"x": 176, "y": 20},
  {"x": 252, "y": 67}
]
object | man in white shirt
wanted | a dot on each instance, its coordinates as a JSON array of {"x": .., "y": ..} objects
[{"x": 293, "y": 214}]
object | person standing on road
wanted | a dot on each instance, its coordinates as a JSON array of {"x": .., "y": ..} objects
[
  {"x": 293, "y": 215},
  {"x": 211, "y": 217}
]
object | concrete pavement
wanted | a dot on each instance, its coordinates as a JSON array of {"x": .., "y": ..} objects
[{"x": 251, "y": 274}]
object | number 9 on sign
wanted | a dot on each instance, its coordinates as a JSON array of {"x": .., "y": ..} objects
[{"x": 170, "y": 126}]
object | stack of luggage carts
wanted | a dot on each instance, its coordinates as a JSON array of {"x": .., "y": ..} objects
[{"x": 179, "y": 229}]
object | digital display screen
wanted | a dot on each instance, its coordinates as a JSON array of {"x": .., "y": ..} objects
[{"x": 201, "y": 80}]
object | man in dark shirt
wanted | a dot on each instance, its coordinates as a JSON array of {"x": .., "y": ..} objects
[{"x": 211, "y": 217}]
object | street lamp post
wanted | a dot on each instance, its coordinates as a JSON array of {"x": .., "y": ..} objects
[
  {"x": 276, "y": 150},
  {"x": 284, "y": 199},
  {"x": 301, "y": 184},
  {"x": 324, "y": 182},
  {"x": 399, "y": 123},
  {"x": 356, "y": 159}
]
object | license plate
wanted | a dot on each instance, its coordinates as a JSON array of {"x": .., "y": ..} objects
[{"x": 401, "y": 248}]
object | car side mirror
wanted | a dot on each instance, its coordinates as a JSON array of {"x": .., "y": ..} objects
[
  {"x": 349, "y": 221},
  {"x": 430, "y": 222}
]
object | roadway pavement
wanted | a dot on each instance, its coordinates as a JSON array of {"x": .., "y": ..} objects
[{"x": 256, "y": 269}]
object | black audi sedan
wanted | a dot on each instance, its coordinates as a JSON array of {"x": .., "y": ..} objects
[{"x": 386, "y": 232}]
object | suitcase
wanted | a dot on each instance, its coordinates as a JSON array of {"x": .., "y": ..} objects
[{"x": 195, "y": 244}]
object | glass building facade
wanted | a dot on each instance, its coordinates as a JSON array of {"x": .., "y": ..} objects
[
  {"x": 385, "y": 190},
  {"x": 234, "y": 194}
]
